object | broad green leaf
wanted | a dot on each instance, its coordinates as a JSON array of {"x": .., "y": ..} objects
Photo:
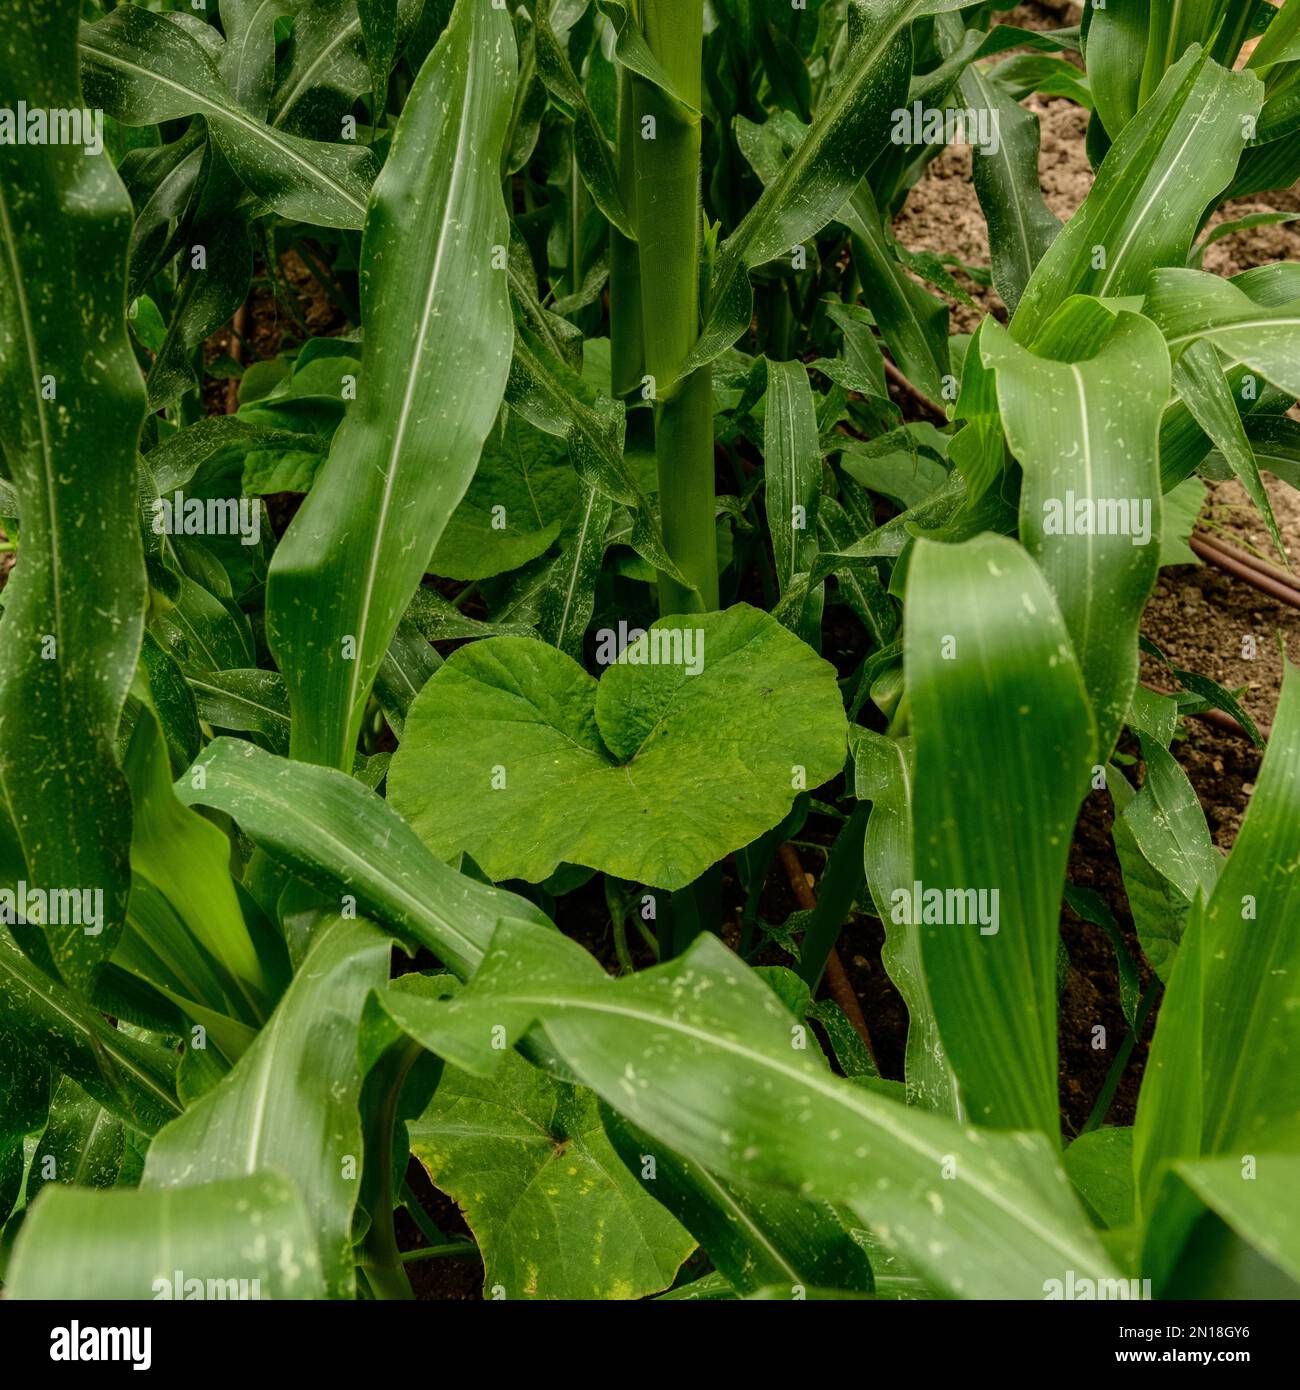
[
  {"x": 326, "y": 827},
  {"x": 552, "y": 1206},
  {"x": 233, "y": 1237},
  {"x": 144, "y": 69},
  {"x": 697, "y": 1054},
  {"x": 522, "y": 496},
  {"x": 756, "y": 1236},
  {"x": 1217, "y": 1077},
  {"x": 134, "y": 1081},
  {"x": 71, "y": 406},
  {"x": 884, "y": 776},
  {"x": 1086, "y": 432},
  {"x": 437, "y": 350},
  {"x": 290, "y": 1104},
  {"x": 1003, "y": 738},
  {"x": 1166, "y": 166},
  {"x": 691, "y": 745}
]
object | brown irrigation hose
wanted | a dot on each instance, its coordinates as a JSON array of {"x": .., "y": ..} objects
[
  {"x": 1277, "y": 584},
  {"x": 837, "y": 980},
  {"x": 919, "y": 396}
]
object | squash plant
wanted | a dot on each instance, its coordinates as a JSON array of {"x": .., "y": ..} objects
[{"x": 599, "y": 445}]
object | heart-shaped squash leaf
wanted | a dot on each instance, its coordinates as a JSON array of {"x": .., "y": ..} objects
[{"x": 692, "y": 745}]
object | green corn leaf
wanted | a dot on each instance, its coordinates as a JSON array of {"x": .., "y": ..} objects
[
  {"x": 25, "y": 1090},
  {"x": 591, "y": 151},
  {"x": 1177, "y": 154},
  {"x": 1246, "y": 324},
  {"x": 697, "y": 1054},
  {"x": 821, "y": 174},
  {"x": 144, "y": 69},
  {"x": 134, "y": 1081},
  {"x": 247, "y": 61},
  {"x": 187, "y": 859},
  {"x": 379, "y": 31},
  {"x": 653, "y": 773},
  {"x": 1227, "y": 1027},
  {"x": 1086, "y": 431},
  {"x": 793, "y": 472},
  {"x": 1115, "y": 39},
  {"x": 290, "y": 1104},
  {"x": 884, "y": 772},
  {"x": 248, "y": 1233},
  {"x": 83, "y": 1145},
  {"x": 326, "y": 827},
  {"x": 1245, "y": 1236},
  {"x": 436, "y": 358},
  {"x": 246, "y": 701},
  {"x": 1021, "y": 226},
  {"x": 913, "y": 324},
  {"x": 1169, "y": 826},
  {"x": 1003, "y": 738},
  {"x": 71, "y": 407},
  {"x": 566, "y": 601},
  {"x": 756, "y": 1236}
]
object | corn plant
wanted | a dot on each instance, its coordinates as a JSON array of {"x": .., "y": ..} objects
[{"x": 355, "y": 667}]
